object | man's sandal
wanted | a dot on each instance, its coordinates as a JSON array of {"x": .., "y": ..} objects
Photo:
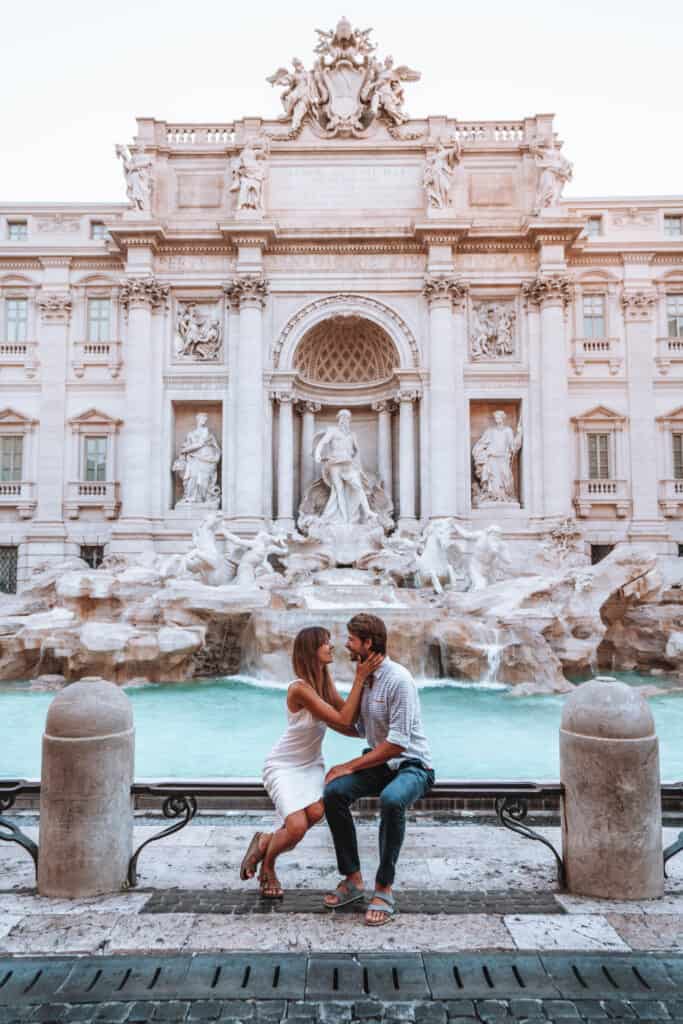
[
  {"x": 252, "y": 857},
  {"x": 270, "y": 887},
  {"x": 346, "y": 892},
  {"x": 389, "y": 909}
]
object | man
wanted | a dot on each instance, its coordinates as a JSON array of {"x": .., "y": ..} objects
[{"x": 397, "y": 767}]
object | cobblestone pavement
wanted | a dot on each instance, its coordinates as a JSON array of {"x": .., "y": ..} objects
[
  {"x": 496, "y": 989},
  {"x": 460, "y": 887}
]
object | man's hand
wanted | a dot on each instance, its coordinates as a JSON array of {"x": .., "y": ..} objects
[{"x": 337, "y": 771}]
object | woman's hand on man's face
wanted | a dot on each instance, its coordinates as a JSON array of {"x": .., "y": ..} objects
[{"x": 364, "y": 669}]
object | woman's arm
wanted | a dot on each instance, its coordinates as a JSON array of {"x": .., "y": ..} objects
[{"x": 306, "y": 697}]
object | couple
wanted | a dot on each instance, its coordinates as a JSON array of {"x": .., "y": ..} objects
[{"x": 383, "y": 706}]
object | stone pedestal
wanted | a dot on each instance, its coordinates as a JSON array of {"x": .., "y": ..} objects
[
  {"x": 611, "y": 816},
  {"x": 86, "y": 810}
]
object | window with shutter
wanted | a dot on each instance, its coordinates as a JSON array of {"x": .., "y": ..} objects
[
  {"x": 598, "y": 457},
  {"x": 677, "y": 441}
]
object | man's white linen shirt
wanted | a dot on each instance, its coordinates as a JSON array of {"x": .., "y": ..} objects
[{"x": 390, "y": 710}]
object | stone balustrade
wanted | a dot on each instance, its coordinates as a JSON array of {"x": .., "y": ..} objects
[
  {"x": 669, "y": 350},
  {"x": 97, "y": 353},
  {"x": 20, "y": 353},
  {"x": 102, "y": 494},
  {"x": 195, "y": 134},
  {"x": 19, "y": 495},
  {"x": 595, "y": 351},
  {"x": 597, "y": 494},
  {"x": 491, "y": 131},
  {"x": 671, "y": 497}
]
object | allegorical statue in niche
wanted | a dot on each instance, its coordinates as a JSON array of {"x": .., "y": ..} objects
[
  {"x": 197, "y": 465},
  {"x": 249, "y": 174},
  {"x": 336, "y": 449},
  {"x": 198, "y": 336},
  {"x": 344, "y": 494},
  {"x": 438, "y": 172},
  {"x": 492, "y": 455},
  {"x": 554, "y": 173},
  {"x": 136, "y": 169}
]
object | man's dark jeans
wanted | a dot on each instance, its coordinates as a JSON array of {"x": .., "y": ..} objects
[{"x": 397, "y": 790}]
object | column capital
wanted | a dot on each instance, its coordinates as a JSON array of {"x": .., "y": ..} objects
[
  {"x": 638, "y": 306},
  {"x": 312, "y": 407},
  {"x": 444, "y": 289},
  {"x": 143, "y": 292},
  {"x": 249, "y": 290},
  {"x": 283, "y": 396},
  {"x": 407, "y": 396},
  {"x": 55, "y": 307},
  {"x": 384, "y": 405},
  {"x": 548, "y": 289}
]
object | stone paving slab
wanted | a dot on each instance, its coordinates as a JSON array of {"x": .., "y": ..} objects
[
  {"x": 649, "y": 931},
  {"x": 575, "y": 931}
]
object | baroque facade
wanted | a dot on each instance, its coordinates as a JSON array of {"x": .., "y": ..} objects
[{"x": 265, "y": 274}]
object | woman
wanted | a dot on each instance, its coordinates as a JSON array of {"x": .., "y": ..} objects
[{"x": 294, "y": 772}]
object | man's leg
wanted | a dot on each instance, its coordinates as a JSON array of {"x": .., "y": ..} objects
[
  {"x": 338, "y": 797},
  {"x": 407, "y": 786}
]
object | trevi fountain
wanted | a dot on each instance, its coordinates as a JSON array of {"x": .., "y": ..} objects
[{"x": 340, "y": 360}]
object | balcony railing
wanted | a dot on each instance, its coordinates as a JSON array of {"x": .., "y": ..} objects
[
  {"x": 20, "y": 353},
  {"x": 97, "y": 353},
  {"x": 18, "y": 494},
  {"x": 671, "y": 497},
  {"x": 602, "y": 493},
  {"x": 669, "y": 350},
  {"x": 102, "y": 494},
  {"x": 597, "y": 350}
]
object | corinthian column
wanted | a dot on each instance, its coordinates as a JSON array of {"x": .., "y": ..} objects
[
  {"x": 384, "y": 467},
  {"x": 285, "y": 460},
  {"x": 141, "y": 298},
  {"x": 639, "y": 316},
  {"x": 55, "y": 313},
  {"x": 308, "y": 412},
  {"x": 249, "y": 293},
  {"x": 406, "y": 441},
  {"x": 552, "y": 294},
  {"x": 446, "y": 419}
]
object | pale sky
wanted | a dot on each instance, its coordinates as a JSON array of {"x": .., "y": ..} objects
[{"x": 75, "y": 74}]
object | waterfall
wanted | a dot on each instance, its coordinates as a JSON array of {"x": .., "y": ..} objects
[{"x": 494, "y": 653}]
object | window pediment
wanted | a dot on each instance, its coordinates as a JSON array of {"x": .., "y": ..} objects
[
  {"x": 600, "y": 418},
  {"x": 95, "y": 420},
  {"x": 10, "y": 419}
]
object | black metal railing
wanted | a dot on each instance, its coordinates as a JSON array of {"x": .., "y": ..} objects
[{"x": 180, "y": 799}]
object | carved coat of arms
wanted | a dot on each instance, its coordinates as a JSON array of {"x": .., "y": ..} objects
[{"x": 347, "y": 88}]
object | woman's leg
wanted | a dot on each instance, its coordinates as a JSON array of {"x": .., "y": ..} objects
[
  {"x": 285, "y": 838},
  {"x": 315, "y": 813}
]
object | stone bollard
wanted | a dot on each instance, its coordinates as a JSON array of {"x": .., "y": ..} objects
[
  {"x": 86, "y": 807},
  {"x": 612, "y": 813}
]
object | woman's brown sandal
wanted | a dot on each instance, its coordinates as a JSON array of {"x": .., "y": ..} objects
[
  {"x": 252, "y": 857},
  {"x": 270, "y": 886}
]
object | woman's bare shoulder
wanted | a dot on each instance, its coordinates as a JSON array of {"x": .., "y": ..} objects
[{"x": 295, "y": 691}]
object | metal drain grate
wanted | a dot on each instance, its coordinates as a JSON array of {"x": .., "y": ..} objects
[{"x": 381, "y": 976}]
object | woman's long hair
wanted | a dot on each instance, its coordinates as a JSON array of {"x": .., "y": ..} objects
[{"x": 306, "y": 663}]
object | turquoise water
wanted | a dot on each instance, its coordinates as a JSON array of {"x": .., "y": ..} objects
[{"x": 225, "y": 727}]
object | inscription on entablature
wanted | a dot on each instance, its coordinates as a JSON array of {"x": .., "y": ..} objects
[
  {"x": 200, "y": 190},
  {"x": 346, "y": 262},
  {"x": 496, "y": 261},
  {"x": 183, "y": 261},
  {"x": 346, "y": 187},
  {"x": 489, "y": 188}
]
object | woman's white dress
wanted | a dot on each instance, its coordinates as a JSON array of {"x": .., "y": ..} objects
[{"x": 294, "y": 771}]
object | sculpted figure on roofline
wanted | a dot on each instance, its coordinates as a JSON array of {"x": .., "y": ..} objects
[{"x": 346, "y": 89}]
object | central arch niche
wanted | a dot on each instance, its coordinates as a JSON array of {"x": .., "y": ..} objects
[{"x": 346, "y": 350}]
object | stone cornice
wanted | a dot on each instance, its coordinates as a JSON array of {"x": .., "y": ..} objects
[
  {"x": 639, "y": 258},
  {"x": 638, "y": 306},
  {"x": 444, "y": 289},
  {"x": 548, "y": 289},
  {"x": 55, "y": 307},
  {"x": 61, "y": 262},
  {"x": 251, "y": 289},
  {"x": 342, "y": 248},
  {"x": 129, "y": 235},
  {"x": 249, "y": 236},
  {"x": 143, "y": 291}
]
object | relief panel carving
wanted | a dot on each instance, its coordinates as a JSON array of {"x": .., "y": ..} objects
[
  {"x": 198, "y": 332},
  {"x": 492, "y": 334}
]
